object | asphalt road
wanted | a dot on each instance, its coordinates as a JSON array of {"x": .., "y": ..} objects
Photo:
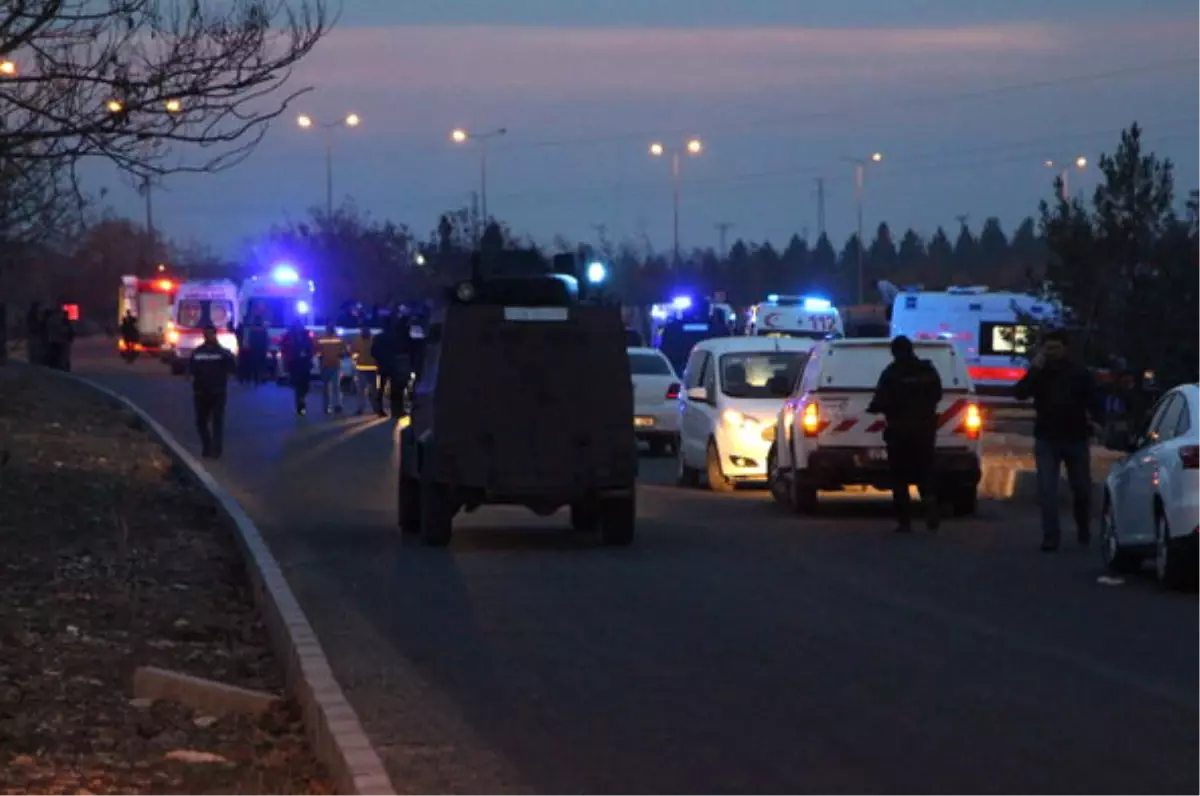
[{"x": 733, "y": 648}]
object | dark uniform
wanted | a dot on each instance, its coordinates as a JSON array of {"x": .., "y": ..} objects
[
  {"x": 210, "y": 366},
  {"x": 384, "y": 350},
  {"x": 298, "y": 351},
  {"x": 908, "y": 395}
]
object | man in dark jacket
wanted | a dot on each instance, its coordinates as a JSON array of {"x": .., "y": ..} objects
[
  {"x": 384, "y": 347},
  {"x": 908, "y": 395},
  {"x": 1063, "y": 396},
  {"x": 298, "y": 350},
  {"x": 210, "y": 367},
  {"x": 257, "y": 340}
]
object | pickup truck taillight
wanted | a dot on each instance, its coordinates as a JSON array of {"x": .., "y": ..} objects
[
  {"x": 810, "y": 419},
  {"x": 973, "y": 422},
  {"x": 673, "y": 391}
]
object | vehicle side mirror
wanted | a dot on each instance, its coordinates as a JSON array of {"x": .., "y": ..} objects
[{"x": 697, "y": 394}]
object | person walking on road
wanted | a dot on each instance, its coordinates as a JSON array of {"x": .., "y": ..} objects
[
  {"x": 58, "y": 338},
  {"x": 366, "y": 372},
  {"x": 908, "y": 395},
  {"x": 258, "y": 339},
  {"x": 210, "y": 366},
  {"x": 331, "y": 350},
  {"x": 298, "y": 351},
  {"x": 1067, "y": 413}
]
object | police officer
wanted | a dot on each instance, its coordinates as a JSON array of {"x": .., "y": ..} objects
[
  {"x": 210, "y": 366},
  {"x": 298, "y": 351},
  {"x": 907, "y": 395}
]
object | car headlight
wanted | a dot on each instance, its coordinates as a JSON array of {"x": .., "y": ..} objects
[{"x": 737, "y": 420}]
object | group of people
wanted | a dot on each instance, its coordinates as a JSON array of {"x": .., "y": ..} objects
[
  {"x": 254, "y": 341},
  {"x": 48, "y": 336},
  {"x": 1068, "y": 412}
]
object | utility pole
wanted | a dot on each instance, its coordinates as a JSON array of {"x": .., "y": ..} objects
[
  {"x": 722, "y": 230},
  {"x": 962, "y": 219},
  {"x": 820, "y": 206},
  {"x": 146, "y": 189}
]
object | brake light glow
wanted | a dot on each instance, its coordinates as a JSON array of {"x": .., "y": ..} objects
[
  {"x": 811, "y": 420},
  {"x": 979, "y": 373},
  {"x": 1189, "y": 455},
  {"x": 172, "y": 335},
  {"x": 673, "y": 391},
  {"x": 165, "y": 285},
  {"x": 973, "y": 422}
]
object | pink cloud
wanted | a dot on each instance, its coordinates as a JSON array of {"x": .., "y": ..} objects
[{"x": 571, "y": 62}]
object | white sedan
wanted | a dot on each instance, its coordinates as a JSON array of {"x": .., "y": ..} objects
[
  {"x": 1152, "y": 496},
  {"x": 655, "y": 399}
]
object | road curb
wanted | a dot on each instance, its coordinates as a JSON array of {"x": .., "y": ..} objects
[{"x": 332, "y": 725}]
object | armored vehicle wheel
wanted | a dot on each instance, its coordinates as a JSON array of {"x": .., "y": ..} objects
[
  {"x": 618, "y": 517},
  {"x": 409, "y": 504},
  {"x": 585, "y": 516},
  {"x": 437, "y": 514}
]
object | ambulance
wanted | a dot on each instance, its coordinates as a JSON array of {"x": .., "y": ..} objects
[
  {"x": 280, "y": 297},
  {"x": 149, "y": 301},
  {"x": 808, "y": 317},
  {"x": 197, "y": 304},
  {"x": 991, "y": 330}
]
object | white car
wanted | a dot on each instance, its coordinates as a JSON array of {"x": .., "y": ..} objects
[
  {"x": 734, "y": 387},
  {"x": 825, "y": 440},
  {"x": 1152, "y": 496},
  {"x": 655, "y": 399}
]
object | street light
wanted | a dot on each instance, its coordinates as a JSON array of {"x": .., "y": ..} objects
[
  {"x": 306, "y": 122},
  {"x": 173, "y": 106},
  {"x": 460, "y": 136},
  {"x": 860, "y": 175},
  {"x": 693, "y": 146},
  {"x": 114, "y": 106},
  {"x": 8, "y": 68},
  {"x": 1080, "y": 163}
]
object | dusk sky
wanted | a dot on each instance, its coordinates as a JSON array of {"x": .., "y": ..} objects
[{"x": 965, "y": 100}]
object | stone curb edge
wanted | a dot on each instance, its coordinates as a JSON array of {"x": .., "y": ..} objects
[{"x": 332, "y": 725}]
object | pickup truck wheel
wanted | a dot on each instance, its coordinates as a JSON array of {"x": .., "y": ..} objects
[
  {"x": 585, "y": 516},
  {"x": 618, "y": 518},
  {"x": 803, "y": 497},
  {"x": 717, "y": 482},
  {"x": 776, "y": 482},
  {"x": 409, "y": 501},
  {"x": 964, "y": 501},
  {"x": 437, "y": 513}
]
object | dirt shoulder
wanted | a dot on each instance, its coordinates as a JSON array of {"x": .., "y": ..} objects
[{"x": 109, "y": 560}]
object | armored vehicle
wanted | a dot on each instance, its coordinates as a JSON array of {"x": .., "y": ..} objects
[{"x": 525, "y": 399}]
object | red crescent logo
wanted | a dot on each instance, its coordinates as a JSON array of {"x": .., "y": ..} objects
[{"x": 770, "y": 319}]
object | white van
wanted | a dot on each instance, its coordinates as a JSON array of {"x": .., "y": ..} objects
[
  {"x": 808, "y": 317},
  {"x": 197, "y": 304},
  {"x": 733, "y": 388},
  {"x": 825, "y": 440},
  {"x": 984, "y": 326}
]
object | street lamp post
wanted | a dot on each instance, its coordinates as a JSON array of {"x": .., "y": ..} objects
[
  {"x": 1080, "y": 163},
  {"x": 692, "y": 147},
  {"x": 860, "y": 176},
  {"x": 307, "y": 122},
  {"x": 461, "y": 136}
]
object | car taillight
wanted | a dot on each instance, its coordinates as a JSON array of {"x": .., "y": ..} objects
[
  {"x": 973, "y": 422},
  {"x": 1189, "y": 455},
  {"x": 673, "y": 391},
  {"x": 810, "y": 421}
]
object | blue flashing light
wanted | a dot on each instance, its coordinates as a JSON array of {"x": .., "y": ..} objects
[
  {"x": 659, "y": 312},
  {"x": 285, "y": 275},
  {"x": 302, "y": 307},
  {"x": 817, "y": 304},
  {"x": 682, "y": 303},
  {"x": 596, "y": 273},
  {"x": 695, "y": 327}
]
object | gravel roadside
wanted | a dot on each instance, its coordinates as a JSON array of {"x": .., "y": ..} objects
[{"x": 109, "y": 560}]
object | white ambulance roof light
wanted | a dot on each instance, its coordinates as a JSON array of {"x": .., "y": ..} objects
[
  {"x": 774, "y": 297},
  {"x": 302, "y": 307},
  {"x": 285, "y": 274},
  {"x": 812, "y": 304},
  {"x": 966, "y": 290}
]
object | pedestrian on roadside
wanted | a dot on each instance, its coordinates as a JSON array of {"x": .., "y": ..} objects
[
  {"x": 366, "y": 372},
  {"x": 1067, "y": 413},
  {"x": 210, "y": 366},
  {"x": 58, "y": 336},
  {"x": 258, "y": 339},
  {"x": 331, "y": 350},
  {"x": 298, "y": 351},
  {"x": 908, "y": 395}
]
